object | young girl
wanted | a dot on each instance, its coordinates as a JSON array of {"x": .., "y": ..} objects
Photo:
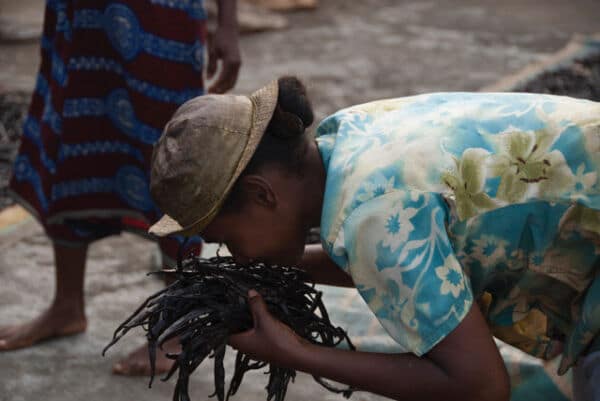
[{"x": 457, "y": 216}]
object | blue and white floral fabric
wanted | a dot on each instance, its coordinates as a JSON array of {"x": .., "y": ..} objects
[{"x": 437, "y": 200}]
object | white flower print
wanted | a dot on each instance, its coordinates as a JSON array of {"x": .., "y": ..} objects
[
  {"x": 524, "y": 160},
  {"x": 467, "y": 183},
  {"x": 398, "y": 227},
  {"x": 517, "y": 259},
  {"x": 489, "y": 250},
  {"x": 355, "y": 123},
  {"x": 452, "y": 277},
  {"x": 374, "y": 188},
  {"x": 379, "y": 107},
  {"x": 584, "y": 181}
]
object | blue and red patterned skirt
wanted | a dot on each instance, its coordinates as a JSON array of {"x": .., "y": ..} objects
[{"x": 111, "y": 75}]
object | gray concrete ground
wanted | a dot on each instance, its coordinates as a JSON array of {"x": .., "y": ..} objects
[
  {"x": 72, "y": 369},
  {"x": 348, "y": 52}
]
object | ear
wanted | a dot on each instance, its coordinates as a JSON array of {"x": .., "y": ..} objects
[{"x": 258, "y": 190}]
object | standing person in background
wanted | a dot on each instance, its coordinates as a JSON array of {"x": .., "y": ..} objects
[{"x": 111, "y": 75}]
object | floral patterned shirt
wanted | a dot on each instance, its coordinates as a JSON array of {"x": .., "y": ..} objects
[{"x": 437, "y": 200}]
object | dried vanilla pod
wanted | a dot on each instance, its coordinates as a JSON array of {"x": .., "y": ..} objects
[{"x": 208, "y": 302}]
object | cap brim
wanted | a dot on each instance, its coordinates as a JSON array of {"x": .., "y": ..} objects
[
  {"x": 264, "y": 101},
  {"x": 165, "y": 226},
  {"x": 169, "y": 226}
]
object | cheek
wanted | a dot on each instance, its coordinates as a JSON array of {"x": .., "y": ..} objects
[
  {"x": 270, "y": 236},
  {"x": 288, "y": 243},
  {"x": 273, "y": 244},
  {"x": 252, "y": 242}
]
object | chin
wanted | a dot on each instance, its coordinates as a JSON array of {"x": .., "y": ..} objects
[
  {"x": 291, "y": 256},
  {"x": 296, "y": 256}
]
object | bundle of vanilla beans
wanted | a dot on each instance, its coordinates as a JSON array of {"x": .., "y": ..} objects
[{"x": 208, "y": 302}]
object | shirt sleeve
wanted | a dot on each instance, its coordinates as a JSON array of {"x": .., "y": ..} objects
[{"x": 397, "y": 250}]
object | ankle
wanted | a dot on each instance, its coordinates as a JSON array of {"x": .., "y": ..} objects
[{"x": 68, "y": 308}]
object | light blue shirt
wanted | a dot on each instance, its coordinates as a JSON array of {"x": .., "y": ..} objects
[{"x": 437, "y": 200}]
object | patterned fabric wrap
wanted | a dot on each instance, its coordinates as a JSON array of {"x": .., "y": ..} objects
[
  {"x": 111, "y": 75},
  {"x": 437, "y": 200}
]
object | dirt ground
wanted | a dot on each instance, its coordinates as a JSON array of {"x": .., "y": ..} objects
[{"x": 348, "y": 52}]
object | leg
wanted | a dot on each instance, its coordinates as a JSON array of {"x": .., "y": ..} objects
[
  {"x": 65, "y": 315},
  {"x": 586, "y": 378}
]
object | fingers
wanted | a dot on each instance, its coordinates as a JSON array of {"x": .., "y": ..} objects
[
  {"x": 258, "y": 307},
  {"x": 212, "y": 57},
  {"x": 228, "y": 76}
]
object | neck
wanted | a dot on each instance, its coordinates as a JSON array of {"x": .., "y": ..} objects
[{"x": 314, "y": 185}]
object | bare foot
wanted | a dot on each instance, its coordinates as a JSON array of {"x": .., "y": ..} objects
[
  {"x": 138, "y": 363},
  {"x": 55, "y": 322}
]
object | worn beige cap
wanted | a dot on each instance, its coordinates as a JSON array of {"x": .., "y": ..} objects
[{"x": 203, "y": 150}]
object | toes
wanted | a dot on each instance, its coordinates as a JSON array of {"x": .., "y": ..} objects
[
  {"x": 119, "y": 369},
  {"x": 41, "y": 328},
  {"x": 130, "y": 368},
  {"x": 141, "y": 369},
  {"x": 14, "y": 342},
  {"x": 6, "y": 332},
  {"x": 22, "y": 336},
  {"x": 140, "y": 366},
  {"x": 9, "y": 340}
]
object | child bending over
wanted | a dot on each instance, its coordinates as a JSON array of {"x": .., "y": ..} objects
[{"x": 457, "y": 216}]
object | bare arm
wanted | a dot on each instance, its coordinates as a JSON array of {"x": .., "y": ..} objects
[
  {"x": 322, "y": 269},
  {"x": 223, "y": 46},
  {"x": 465, "y": 366}
]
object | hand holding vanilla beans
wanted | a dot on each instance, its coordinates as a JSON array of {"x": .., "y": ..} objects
[{"x": 208, "y": 303}]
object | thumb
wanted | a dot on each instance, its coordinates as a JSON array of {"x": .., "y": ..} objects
[{"x": 258, "y": 307}]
